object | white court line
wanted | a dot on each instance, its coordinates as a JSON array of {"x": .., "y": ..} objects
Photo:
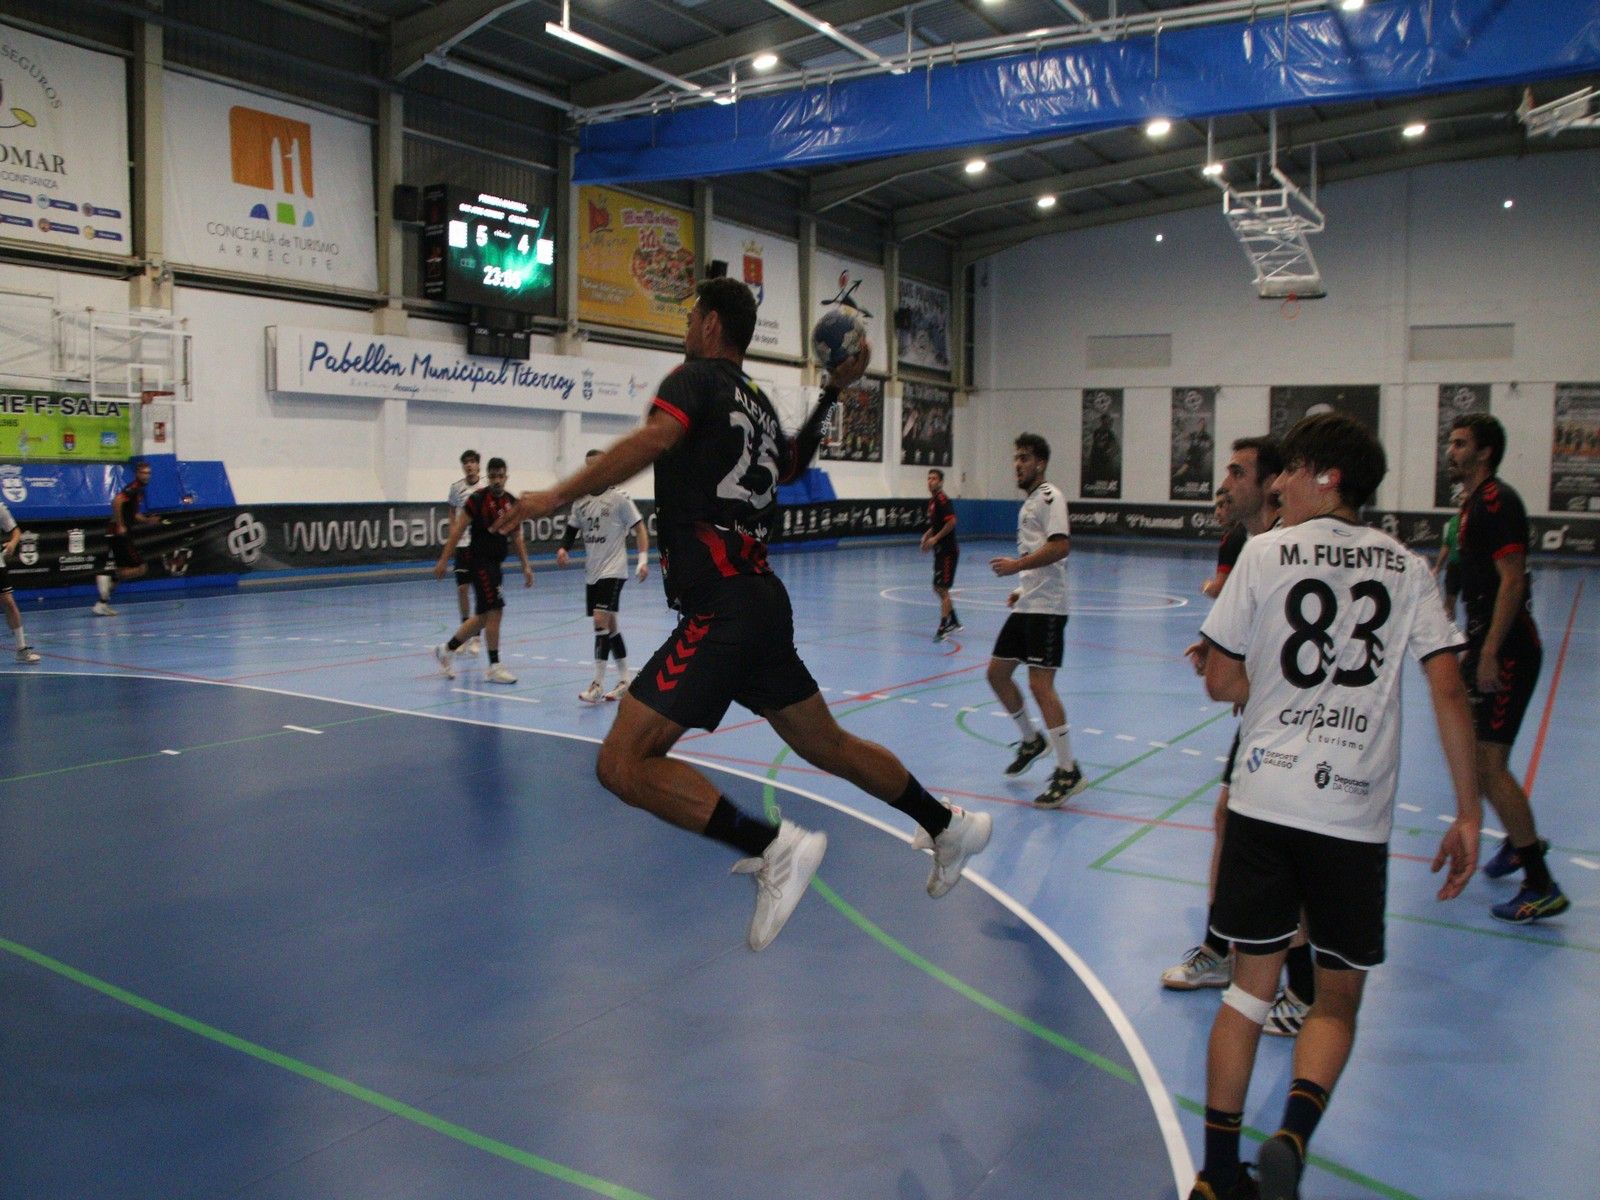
[
  {"x": 1087, "y": 729},
  {"x": 174, "y": 753},
  {"x": 1126, "y": 737},
  {"x": 1586, "y": 864},
  {"x": 1191, "y": 753},
  {"x": 1498, "y": 834},
  {"x": 937, "y": 704},
  {"x": 303, "y": 729},
  {"x": 1408, "y": 807},
  {"x": 491, "y": 695}
]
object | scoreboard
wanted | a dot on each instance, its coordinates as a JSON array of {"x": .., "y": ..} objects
[{"x": 487, "y": 250}]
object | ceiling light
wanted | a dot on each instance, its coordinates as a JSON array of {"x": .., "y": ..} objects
[
  {"x": 1047, "y": 202},
  {"x": 1211, "y": 170},
  {"x": 1161, "y": 237},
  {"x": 1414, "y": 130},
  {"x": 1507, "y": 203},
  {"x": 764, "y": 62},
  {"x": 975, "y": 166},
  {"x": 1158, "y": 127},
  {"x": 724, "y": 100},
  {"x": 1352, "y": 5}
]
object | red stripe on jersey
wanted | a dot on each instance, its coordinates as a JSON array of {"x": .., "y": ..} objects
[
  {"x": 719, "y": 552},
  {"x": 673, "y": 411}
]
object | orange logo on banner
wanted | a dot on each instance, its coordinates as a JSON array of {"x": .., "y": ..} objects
[
  {"x": 752, "y": 270},
  {"x": 270, "y": 151},
  {"x": 599, "y": 217}
]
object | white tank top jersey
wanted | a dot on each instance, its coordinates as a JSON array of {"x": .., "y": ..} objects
[
  {"x": 604, "y": 522},
  {"x": 1322, "y": 614},
  {"x": 1043, "y": 516},
  {"x": 7, "y": 524},
  {"x": 459, "y": 491}
]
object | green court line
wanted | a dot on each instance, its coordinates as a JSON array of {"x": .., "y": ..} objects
[
  {"x": 427, "y": 1120},
  {"x": 1182, "y": 803}
]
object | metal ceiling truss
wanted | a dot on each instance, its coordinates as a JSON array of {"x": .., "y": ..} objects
[
  {"x": 1576, "y": 111},
  {"x": 1273, "y": 225}
]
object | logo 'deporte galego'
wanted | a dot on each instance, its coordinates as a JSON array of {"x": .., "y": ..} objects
[
  {"x": 273, "y": 153},
  {"x": 246, "y": 538},
  {"x": 1323, "y": 775},
  {"x": 1253, "y": 763}
]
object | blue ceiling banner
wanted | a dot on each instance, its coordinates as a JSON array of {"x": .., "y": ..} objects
[{"x": 1389, "y": 49}]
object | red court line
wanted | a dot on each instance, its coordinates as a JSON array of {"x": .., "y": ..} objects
[
  {"x": 1550, "y": 700},
  {"x": 131, "y": 667}
]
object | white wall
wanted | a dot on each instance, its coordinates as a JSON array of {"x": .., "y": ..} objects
[{"x": 1430, "y": 246}]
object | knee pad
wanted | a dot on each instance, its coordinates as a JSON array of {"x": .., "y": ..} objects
[{"x": 1252, "y": 1007}]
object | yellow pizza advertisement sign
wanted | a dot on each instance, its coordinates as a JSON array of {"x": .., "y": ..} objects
[{"x": 636, "y": 261}]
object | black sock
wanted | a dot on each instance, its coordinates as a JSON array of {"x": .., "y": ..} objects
[
  {"x": 453, "y": 644},
  {"x": 1307, "y": 1101},
  {"x": 1534, "y": 873},
  {"x": 494, "y": 657},
  {"x": 1222, "y": 1144},
  {"x": 619, "y": 649},
  {"x": 748, "y": 835},
  {"x": 1216, "y": 944},
  {"x": 602, "y": 646},
  {"x": 1302, "y": 976},
  {"x": 954, "y": 620},
  {"x": 918, "y": 804}
]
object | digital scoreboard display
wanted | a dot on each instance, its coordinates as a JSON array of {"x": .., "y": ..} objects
[{"x": 487, "y": 250}]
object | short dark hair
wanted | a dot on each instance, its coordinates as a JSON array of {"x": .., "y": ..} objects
[
  {"x": 735, "y": 304},
  {"x": 1269, "y": 455},
  {"x": 468, "y": 456},
  {"x": 1333, "y": 441},
  {"x": 1486, "y": 432},
  {"x": 1034, "y": 445},
  {"x": 936, "y": 471},
  {"x": 592, "y": 454},
  {"x": 495, "y": 464}
]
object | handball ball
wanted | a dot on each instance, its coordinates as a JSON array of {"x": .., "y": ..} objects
[{"x": 838, "y": 336}]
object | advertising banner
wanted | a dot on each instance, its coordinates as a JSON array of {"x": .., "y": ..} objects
[
  {"x": 636, "y": 261},
  {"x": 853, "y": 431},
  {"x": 1194, "y": 445},
  {"x": 1102, "y": 444},
  {"x": 64, "y": 427},
  {"x": 850, "y": 518},
  {"x": 926, "y": 415},
  {"x": 771, "y": 266},
  {"x": 261, "y": 187},
  {"x": 922, "y": 326},
  {"x": 834, "y": 279},
  {"x": 1575, "y": 449},
  {"x": 323, "y": 362},
  {"x": 1455, "y": 400},
  {"x": 63, "y": 146},
  {"x": 1288, "y": 404}
]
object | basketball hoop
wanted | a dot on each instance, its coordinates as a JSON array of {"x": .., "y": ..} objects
[{"x": 154, "y": 395}]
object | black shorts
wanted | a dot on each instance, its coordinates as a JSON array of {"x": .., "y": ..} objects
[
  {"x": 486, "y": 587},
  {"x": 944, "y": 566},
  {"x": 1270, "y": 873},
  {"x": 1033, "y": 638},
  {"x": 1497, "y": 716},
  {"x": 463, "y": 565},
  {"x": 5, "y": 581},
  {"x": 739, "y": 646},
  {"x": 123, "y": 551},
  {"x": 603, "y": 596},
  {"x": 1452, "y": 578},
  {"x": 1233, "y": 753}
]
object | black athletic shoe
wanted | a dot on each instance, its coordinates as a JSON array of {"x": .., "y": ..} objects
[
  {"x": 955, "y": 623},
  {"x": 1280, "y": 1169},
  {"x": 1243, "y": 1187},
  {"x": 1064, "y": 784},
  {"x": 942, "y": 632},
  {"x": 1026, "y": 752}
]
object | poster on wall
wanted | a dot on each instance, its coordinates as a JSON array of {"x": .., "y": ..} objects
[
  {"x": 258, "y": 186},
  {"x": 834, "y": 279},
  {"x": 1102, "y": 444},
  {"x": 771, "y": 266},
  {"x": 926, "y": 415},
  {"x": 63, "y": 146},
  {"x": 1194, "y": 443},
  {"x": 1575, "y": 449},
  {"x": 62, "y": 427},
  {"x": 1455, "y": 400},
  {"x": 636, "y": 261},
  {"x": 1289, "y": 404},
  {"x": 922, "y": 326},
  {"x": 853, "y": 431}
]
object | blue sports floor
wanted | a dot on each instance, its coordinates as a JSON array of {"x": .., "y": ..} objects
[{"x": 284, "y": 913}]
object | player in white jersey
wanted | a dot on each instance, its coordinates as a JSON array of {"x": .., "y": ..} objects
[
  {"x": 604, "y": 519},
  {"x": 1310, "y": 636},
  {"x": 1034, "y": 630},
  {"x": 9, "y": 527},
  {"x": 457, "y": 499}
]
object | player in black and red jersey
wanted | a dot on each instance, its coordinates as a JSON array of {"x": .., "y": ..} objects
[
  {"x": 487, "y": 551},
  {"x": 1503, "y": 655},
  {"x": 940, "y": 537},
  {"x": 122, "y": 561},
  {"x": 719, "y": 456}
]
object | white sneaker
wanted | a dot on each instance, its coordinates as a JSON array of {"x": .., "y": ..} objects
[
  {"x": 1287, "y": 1015},
  {"x": 592, "y": 694},
  {"x": 618, "y": 692},
  {"x": 497, "y": 673},
  {"x": 102, "y": 609},
  {"x": 782, "y": 875},
  {"x": 27, "y": 654},
  {"x": 1202, "y": 967},
  {"x": 966, "y": 835},
  {"x": 471, "y": 647},
  {"x": 441, "y": 652}
]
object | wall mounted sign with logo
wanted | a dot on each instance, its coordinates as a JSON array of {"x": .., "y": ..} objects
[
  {"x": 771, "y": 266},
  {"x": 260, "y": 187},
  {"x": 922, "y": 326},
  {"x": 926, "y": 416},
  {"x": 854, "y": 429},
  {"x": 1455, "y": 400},
  {"x": 63, "y": 146},
  {"x": 326, "y": 362},
  {"x": 1286, "y": 405},
  {"x": 637, "y": 264},
  {"x": 1101, "y": 477},
  {"x": 62, "y": 427},
  {"x": 494, "y": 251},
  {"x": 1575, "y": 449},
  {"x": 1194, "y": 446},
  {"x": 833, "y": 279}
]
